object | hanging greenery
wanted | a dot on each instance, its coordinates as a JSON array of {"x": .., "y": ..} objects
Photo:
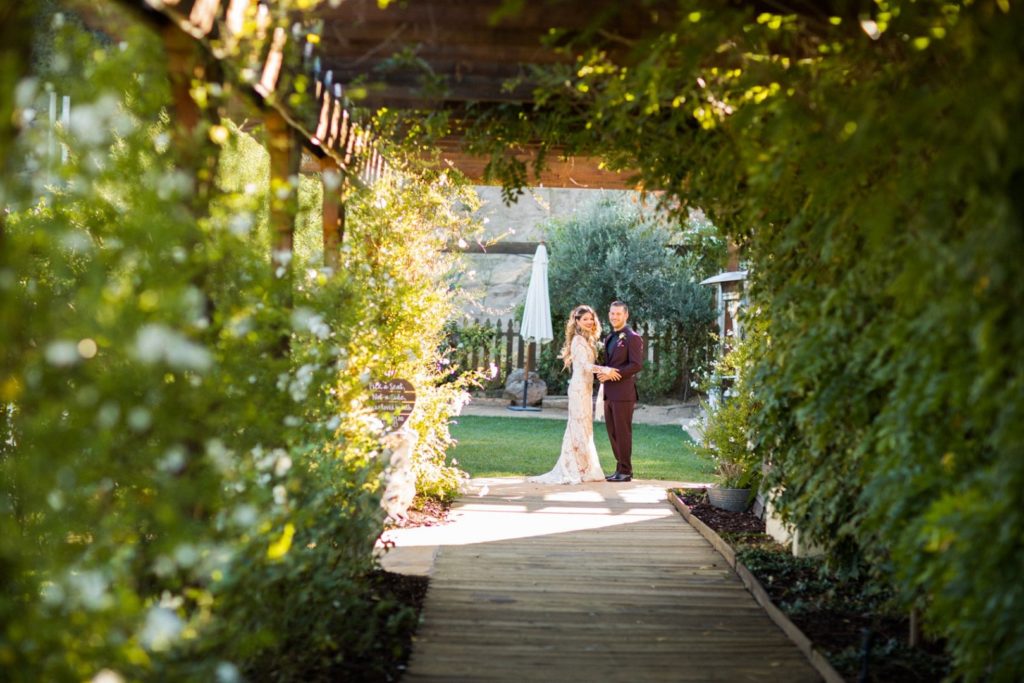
[{"x": 867, "y": 160}]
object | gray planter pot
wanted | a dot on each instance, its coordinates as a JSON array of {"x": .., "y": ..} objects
[{"x": 733, "y": 500}]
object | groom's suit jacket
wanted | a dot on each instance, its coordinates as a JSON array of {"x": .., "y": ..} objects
[{"x": 624, "y": 351}]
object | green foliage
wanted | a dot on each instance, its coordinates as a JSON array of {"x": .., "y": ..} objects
[
  {"x": 463, "y": 342},
  {"x": 729, "y": 437},
  {"x": 190, "y": 471},
  {"x": 869, "y": 166},
  {"x": 615, "y": 252}
]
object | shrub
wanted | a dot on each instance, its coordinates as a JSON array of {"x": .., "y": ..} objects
[
  {"x": 191, "y": 471},
  {"x": 729, "y": 436},
  {"x": 615, "y": 252}
]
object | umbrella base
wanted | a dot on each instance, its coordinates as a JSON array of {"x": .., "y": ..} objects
[{"x": 531, "y": 409}]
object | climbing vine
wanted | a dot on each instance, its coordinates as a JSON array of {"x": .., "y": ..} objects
[{"x": 866, "y": 159}]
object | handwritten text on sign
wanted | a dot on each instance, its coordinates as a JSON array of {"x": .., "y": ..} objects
[{"x": 393, "y": 400}]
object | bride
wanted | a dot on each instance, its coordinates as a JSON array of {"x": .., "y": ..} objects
[{"x": 578, "y": 461}]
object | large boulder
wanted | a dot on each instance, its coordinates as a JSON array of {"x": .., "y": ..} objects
[{"x": 536, "y": 390}]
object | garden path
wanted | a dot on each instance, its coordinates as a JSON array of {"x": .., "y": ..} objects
[{"x": 598, "y": 582}]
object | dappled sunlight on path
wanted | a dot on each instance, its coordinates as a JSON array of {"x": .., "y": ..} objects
[{"x": 497, "y": 509}]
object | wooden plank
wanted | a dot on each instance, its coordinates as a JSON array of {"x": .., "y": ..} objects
[
  {"x": 573, "y": 172},
  {"x": 792, "y": 631},
  {"x": 645, "y": 600},
  {"x": 496, "y": 248}
]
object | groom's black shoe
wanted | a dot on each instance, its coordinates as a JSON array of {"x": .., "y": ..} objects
[
  {"x": 620, "y": 477},
  {"x": 611, "y": 477}
]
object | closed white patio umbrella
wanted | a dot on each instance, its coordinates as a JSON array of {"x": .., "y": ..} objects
[{"x": 536, "y": 323}]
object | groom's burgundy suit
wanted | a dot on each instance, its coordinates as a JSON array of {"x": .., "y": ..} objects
[{"x": 623, "y": 351}]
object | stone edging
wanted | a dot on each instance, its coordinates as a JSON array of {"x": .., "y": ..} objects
[{"x": 814, "y": 656}]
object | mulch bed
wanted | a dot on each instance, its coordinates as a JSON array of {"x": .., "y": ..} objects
[
  {"x": 423, "y": 512},
  {"x": 406, "y": 593},
  {"x": 409, "y": 592},
  {"x": 840, "y": 617}
]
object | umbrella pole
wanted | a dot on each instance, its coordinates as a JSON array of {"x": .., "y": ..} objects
[
  {"x": 526, "y": 376},
  {"x": 526, "y": 383}
]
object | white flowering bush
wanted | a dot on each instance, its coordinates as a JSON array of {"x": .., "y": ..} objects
[{"x": 190, "y": 471}]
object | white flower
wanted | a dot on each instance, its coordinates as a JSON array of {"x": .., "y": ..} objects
[
  {"x": 62, "y": 353},
  {"x": 306, "y": 320},
  {"x": 186, "y": 555},
  {"x": 161, "y": 629},
  {"x": 227, "y": 673},
  {"x": 90, "y": 122},
  {"x": 139, "y": 419},
  {"x": 265, "y": 462},
  {"x": 107, "y": 676},
  {"x": 107, "y": 415},
  {"x": 280, "y": 494},
  {"x": 90, "y": 589},
  {"x": 161, "y": 141},
  {"x": 163, "y": 566},
  {"x": 173, "y": 460},
  {"x": 219, "y": 455},
  {"x": 156, "y": 342},
  {"x": 283, "y": 465},
  {"x": 77, "y": 242},
  {"x": 331, "y": 179},
  {"x": 240, "y": 224},
  {"x": 25, "y": 92},
  {"x": 174, "y": 184},
  {"x": 245, "y": 515},
  {"x": 52, "y": 593}
]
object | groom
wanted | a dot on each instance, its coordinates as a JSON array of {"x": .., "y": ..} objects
[{"x": 624, "y": 356}]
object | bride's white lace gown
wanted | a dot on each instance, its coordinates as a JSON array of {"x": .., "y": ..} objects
[{"x": 578, "y": 461}]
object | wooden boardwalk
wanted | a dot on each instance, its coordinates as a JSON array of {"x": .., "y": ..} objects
[{"x": 592, "y": 583}]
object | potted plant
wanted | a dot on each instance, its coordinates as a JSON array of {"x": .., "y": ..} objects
[{"x": 726, "y": 438}]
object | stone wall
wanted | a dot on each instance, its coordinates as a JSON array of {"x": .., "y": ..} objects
[{"x": 499, "y": 281}]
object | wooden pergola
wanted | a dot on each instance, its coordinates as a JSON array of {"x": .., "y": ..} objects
[
  {"x": 464, "y": 56},
  {"x": 458, "y": 55}
]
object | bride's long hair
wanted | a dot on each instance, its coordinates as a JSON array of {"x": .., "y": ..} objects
[{"x": 573, "y": 328}]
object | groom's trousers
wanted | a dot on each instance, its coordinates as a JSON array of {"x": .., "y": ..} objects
[{"x": 618, "y": 418}]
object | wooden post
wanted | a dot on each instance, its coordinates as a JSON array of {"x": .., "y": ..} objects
[
  {"x": 509, "y": 336},
  {"x": 333, "y": 214},
  {"x": 733, "y": 263},
  {"x": 487, "y": 347},
  {"x": 474, "y": 358},
  {"x": 192, "y": 145},
  {"x": 285, "y": 156},
  {"x": 16, "y": 34}
]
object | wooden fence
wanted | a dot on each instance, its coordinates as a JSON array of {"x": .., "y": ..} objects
[{"x": 484, "y": 343}]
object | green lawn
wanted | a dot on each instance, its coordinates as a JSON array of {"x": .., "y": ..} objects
[{"x": 513, "y": 446}]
